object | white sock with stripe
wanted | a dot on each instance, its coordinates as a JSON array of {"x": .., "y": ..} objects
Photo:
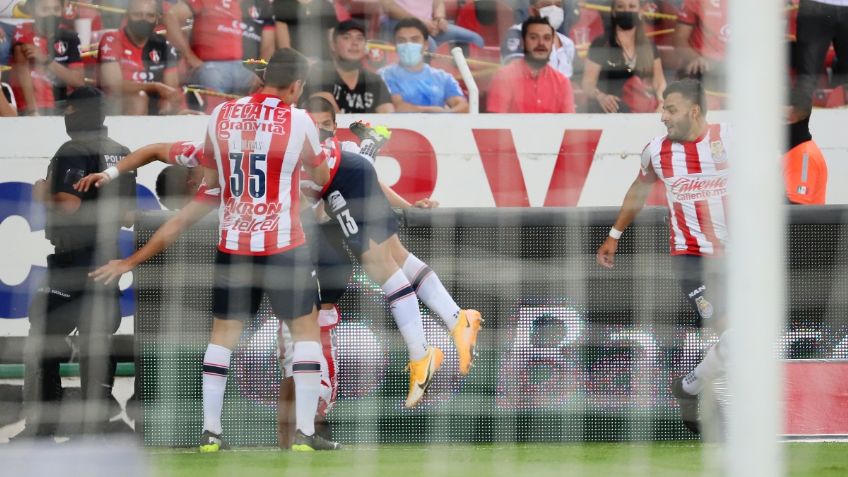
[
  {"x": 707, "y": 370},
  {"x": 216, "y": 365},
  {"x": 306, "y": 369},
  {"x": 404, "y": 306},
  {"x": 430, "y": 290}
]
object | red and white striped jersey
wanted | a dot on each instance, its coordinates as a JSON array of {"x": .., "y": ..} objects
[
  {"x": 256, "y": 144},
  {"x": 695, "y": 177},
  {"x": 185, "y": 153}
]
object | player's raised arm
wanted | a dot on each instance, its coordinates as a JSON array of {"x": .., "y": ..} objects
[
  {"x": 313, "y": 158},
  {"x": 633, "y": 203},
  {"x": 205, "y": 201},
  {"x": 136, "y": 159}
]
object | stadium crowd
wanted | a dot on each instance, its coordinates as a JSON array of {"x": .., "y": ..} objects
[{"x": 164, "y": 57}]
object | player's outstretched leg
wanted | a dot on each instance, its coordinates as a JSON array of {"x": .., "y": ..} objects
[
  {"x": 686, "y": 389},
  {"x": 464, "y": 325},
  {"x": 688, "y": 405},
  {"x": 424, "y": 360},
  {"x": 216, "y": 365}
]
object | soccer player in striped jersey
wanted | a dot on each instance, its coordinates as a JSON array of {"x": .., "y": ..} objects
[
  {"x": 255, "y": 148},
  {"x": 691, "y": 160}
]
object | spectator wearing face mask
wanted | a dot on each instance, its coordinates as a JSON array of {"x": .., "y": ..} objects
[
  {"x": 530, "y": 84},
  {"x": 415, "y": 86},
  {"x": 47, "y": 60},
  {"x": 137, "y": 67},
  {"x": 623, "y": 71},
  {"x": 562, "y": 53}
]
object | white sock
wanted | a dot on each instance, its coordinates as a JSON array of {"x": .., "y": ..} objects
[
  {"x": 216, "y": 365},
  {"x": 706, "y": 371},
  {"x": 404, "y": 306},
  {"x": 430, "y": 290},
  {"x": 307, "y": 383}
]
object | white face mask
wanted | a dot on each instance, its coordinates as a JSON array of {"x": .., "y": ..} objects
[{"x": 554, "y": 14}]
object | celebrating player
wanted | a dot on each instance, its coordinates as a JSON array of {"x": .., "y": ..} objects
[
  {"x": 692, "y": 162},
  {"x": 251, "y": 166},
  {"x": 356, "y": 200}
]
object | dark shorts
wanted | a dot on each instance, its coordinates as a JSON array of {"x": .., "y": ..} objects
[
  {"x": 701, "y": 280},
  {"x": 333, "y": 263},
  {"x": 287, "y": 278},
  {"x": 356, "y": 203}
]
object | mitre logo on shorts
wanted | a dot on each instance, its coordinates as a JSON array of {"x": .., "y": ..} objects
[
  {"x": 248, "y": 217},
  {"x": 336, "y": 201},
  {"x": 686, "y": 188},
  {"x": 705, "y": 308}
]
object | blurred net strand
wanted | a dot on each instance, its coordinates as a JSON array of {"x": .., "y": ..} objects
[
  {"x": 386, "y": 47},
  {"x": 606, "y": 9},
  {"x": 657, "y": 15},
  {"x": 92, "y": 50},
  {"x": 102, "y": 8},
  {"x": 209, "y": 92}
]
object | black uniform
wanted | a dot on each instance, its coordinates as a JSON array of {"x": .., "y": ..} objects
[
  {"x": 68, "y": 299},
  {"x": 359, "y": 213}
]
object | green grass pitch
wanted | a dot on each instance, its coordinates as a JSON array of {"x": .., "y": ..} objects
[{"x": 678, "y": 459}]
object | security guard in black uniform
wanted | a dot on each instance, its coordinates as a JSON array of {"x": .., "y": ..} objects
[{"x": 84, "y": 228}]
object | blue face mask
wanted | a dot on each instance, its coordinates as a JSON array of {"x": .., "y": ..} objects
[{"x": 409, "y": 54}]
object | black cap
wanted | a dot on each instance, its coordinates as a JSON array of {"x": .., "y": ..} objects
[
  {"x": 347, "y": 26},
  {"x": 85, "y": 94}
]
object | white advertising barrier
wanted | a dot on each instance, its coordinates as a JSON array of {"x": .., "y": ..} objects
[{"x": 460, "y": 160}]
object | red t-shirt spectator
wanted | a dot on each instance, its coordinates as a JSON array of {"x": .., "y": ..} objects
[
  {"x": 515, "y": 89},
  {"x": 144, "y": 64},
  {"x": 228, "y": 30},
  {"x": 65, "y": 50},
  {"x": 710, "y": 26}
]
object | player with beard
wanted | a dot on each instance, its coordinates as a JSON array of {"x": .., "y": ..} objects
[
  {"x": 691, "y": 160},
  {"x": 355, "y": 89},
  {"x": 530, "y": 84}
]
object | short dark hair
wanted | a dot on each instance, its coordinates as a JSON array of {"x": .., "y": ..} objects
[
  {"x": 412, "y": 23},
  {"x": 285, "y": 67},
  {"x": 170, "y": 187},
  {"x": 534, "y": 21},
  {"x": 348, "y": 25},
  {"x": 690, "y": 89},
  {"x": 317, "y": 104}
]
